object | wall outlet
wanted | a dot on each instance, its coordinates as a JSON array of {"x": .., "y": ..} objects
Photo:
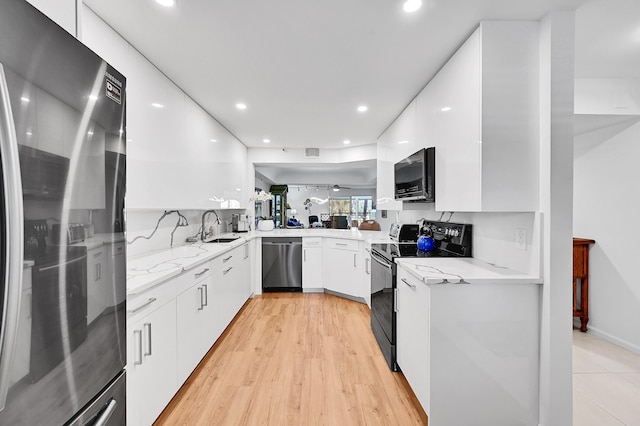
[{"x": 521, "y": 239}]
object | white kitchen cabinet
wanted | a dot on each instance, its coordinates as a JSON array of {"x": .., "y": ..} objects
[
  {"x": 245, "y": 271},
  {"x": 312, "y": 265},
  {"x": 366, "y": 274},
  {"x": 398, "y": 141},
  {"x": 470, "y": 345},
  {"x": 118, "y": 271},
  {"x": 480, "y": 112},
  {"x": 89, "y": 192},
  {"x": 233, "y": 285},
  {"x": 97, "y": 282},
  {"x": 50, "y": 128},
  {"x": 197, "y": 315},
  {"x": 23, "y": 98},
  {"x": 151, "y": 353},
  {"x": 22, "y": 354},
  {"x": 342, "y": 262},
  {"x": 412, "y": 334}
]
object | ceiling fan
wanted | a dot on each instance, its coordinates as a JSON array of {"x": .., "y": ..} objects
[{"x": 337, "y": 188}]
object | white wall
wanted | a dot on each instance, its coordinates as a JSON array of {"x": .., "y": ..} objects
[{"x": 606, "y": 209}]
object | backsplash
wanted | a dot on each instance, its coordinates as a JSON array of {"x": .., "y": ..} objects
[
  {"x": 493, "y": 234},
  {"x": 146, "y": 232}
]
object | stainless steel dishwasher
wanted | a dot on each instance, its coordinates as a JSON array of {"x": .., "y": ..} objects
[{"x": 282, "y": 264}]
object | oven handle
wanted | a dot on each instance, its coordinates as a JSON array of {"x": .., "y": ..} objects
[
  {"x": 62, "y": 264},
  {"x": 13, "y": 230},
  {"x": 381, "y": 260}
]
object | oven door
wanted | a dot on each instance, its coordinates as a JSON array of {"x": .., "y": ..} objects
[{"x": 383, "y": 286}]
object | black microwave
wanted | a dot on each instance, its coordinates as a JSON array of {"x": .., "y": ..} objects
[{"x": 415, "y": 176}]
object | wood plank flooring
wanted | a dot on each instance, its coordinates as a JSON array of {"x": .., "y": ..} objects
[{"x": 295, "y": 359}]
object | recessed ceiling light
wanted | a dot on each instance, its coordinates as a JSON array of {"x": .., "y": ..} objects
[
  {"x": 25, "y": 99},
  {"x": 241, "y": 106},
  {"x": 346, "y": 142},
  {"x": 411, "y": 6},
  {"x": 266, "y": 140},
  {"x": 90, "y": 132},
  {"x": 29, "y": 133},
  {"x": 363, "y": 108},
  {"x": 166, "y": 3},
  {"x": 157, "y": 105},
  {"x": 402, "y": 142},
  {"x": 445, "y": 109},
  {"x": 93, "y": 97},
  {"x": 213, "y": 140}
]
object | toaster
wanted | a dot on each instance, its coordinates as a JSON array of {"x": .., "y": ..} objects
[{"x": 73, "y": 233}]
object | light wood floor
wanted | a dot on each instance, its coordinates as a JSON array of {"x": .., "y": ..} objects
[{"x": 295, "y": 359}]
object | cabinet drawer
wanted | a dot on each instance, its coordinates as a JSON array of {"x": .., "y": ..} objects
[
  {"x": 193, "y": 276},
  {"x": 342, "y": 244},
  {"x": 312, "y": 242},
  {"x": 141, "y": 304}
]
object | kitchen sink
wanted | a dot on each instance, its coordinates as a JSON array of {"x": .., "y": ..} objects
[{"x": 223, "y": 240}]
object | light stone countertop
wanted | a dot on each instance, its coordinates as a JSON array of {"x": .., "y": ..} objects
[
  {"x": 150, "y": 269},
  {"x": 100, "y": 239},
  {"x": 462, "y": 271}
]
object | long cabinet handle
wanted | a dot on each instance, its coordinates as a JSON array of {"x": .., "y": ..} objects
[
  {"x": 413, "y": 286},
  {"x": 201, "y": 291},
  {"x": 226, "y": 259},
  {"x": 206, "y": 295},
  {"x": 227, "y": 270},
  {"x": 205, "y": 270},
  {"x": 354, "y": 259},
  {"x": 144, "y": 305},
  {"x": 107, "y": 413},
  {"x": 13, "y": 238},
  {"x": 147, "y": 327},
  {"x": 137, "y": 354},
  {"x": 304, "y": 255},
  {"x": 342, "y": 244},
  {"x": 367, "y": 266}
]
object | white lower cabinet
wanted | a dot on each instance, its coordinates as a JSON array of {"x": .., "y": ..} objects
[
  {"x": 341, "y": 266},
  {"x": 151, "y": 353},
  {"x": 412, "y": 334},
  {"x": 470, "y": 352},
  {"x": 197, "y": 316},
  {"x": 312, "y": 263},
  {"x": 97, "y": 281},
  {"x": 232, "y": 287},
  {"x": 21, "y": 358},
  {"x": 172, "y": 326}
]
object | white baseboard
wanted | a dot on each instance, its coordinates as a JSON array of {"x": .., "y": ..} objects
[{"x": 613, "y": 339}]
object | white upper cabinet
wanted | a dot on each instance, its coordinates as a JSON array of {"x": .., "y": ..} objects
[
  {"x": 172, "y": 159},
  {"x": 397, "y": 142},
  {"x": 480, "y": 111}
]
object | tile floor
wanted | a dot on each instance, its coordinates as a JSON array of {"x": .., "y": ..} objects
[{"x": 606, "y": 383}]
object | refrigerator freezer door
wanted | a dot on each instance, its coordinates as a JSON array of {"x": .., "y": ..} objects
[
  {"x": 12, "y": 239},
  {"x": 67, "y": 106}
]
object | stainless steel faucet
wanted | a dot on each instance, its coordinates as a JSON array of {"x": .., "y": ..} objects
[{"x": 202, "y": 233}]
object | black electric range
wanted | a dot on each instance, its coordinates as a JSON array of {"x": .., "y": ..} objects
[{"x": 451, "y": 240}]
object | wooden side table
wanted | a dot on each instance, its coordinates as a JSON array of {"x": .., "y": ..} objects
[{"x": 581, "y": 274}]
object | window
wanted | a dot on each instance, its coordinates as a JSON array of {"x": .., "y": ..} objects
[{"x": 356, "y": 208}]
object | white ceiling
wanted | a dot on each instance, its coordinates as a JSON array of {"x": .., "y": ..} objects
[{"x": 303, "y": 67}]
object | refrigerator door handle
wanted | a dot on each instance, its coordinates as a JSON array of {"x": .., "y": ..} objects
[{"x": 13, "y": 238}]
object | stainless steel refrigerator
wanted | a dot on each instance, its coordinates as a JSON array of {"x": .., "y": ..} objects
[{"x": 63, "y": 285}]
